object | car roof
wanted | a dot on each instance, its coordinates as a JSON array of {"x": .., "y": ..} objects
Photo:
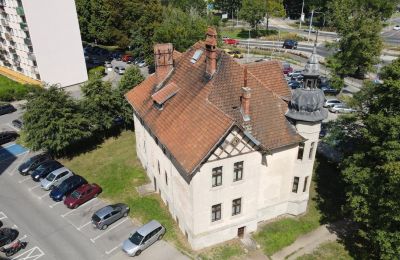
[
  {"x": 60, "y": 170},
  {"x": 149, "y": 227},
  {"x": 104, "y": 211},
  {"x": 332, "y": 99}
]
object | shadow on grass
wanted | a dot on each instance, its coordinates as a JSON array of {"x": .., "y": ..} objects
[{"x": 255, "y": 34}]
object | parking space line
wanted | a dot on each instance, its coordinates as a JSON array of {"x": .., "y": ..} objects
[
  {"x": 2, "y": 215},
  {"x": 41, "y": 197},
  {"x": 69, "y": 212},
  {"x": 34, "y": 187},
  {"x": 23, "y": 180},
  {"x": 110, "y": 251},
  {"x": 25, "y": 236},
  {"x": 108, "y": 230},
  {"x": 79, "y": 228},
  {"x": 31, "y": 254},
  {"x": 15, "y": 226},
  {"x": 55, "y": 204},
  {"x": 71, "y": 223}
]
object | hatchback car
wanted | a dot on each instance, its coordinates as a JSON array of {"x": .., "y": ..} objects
[
  {"x": 396, "y": 28},
  {"x": 32, "y": 163},
  {"x": 8, "y": 136},
  {"x": 289, "y": 44},
  {"x": 44, "y": 169},
  {"x": 66, "y": 187},
  {"x": 341, "y": 108},
  {"x": 55, "y": 178},
  {"x": 119, "y": 70},
  {"x": 331, "y": 102},
  {"x": 7, "y": 235},
  {"x": 104, "y": 217},
  {"x": 329, "y": 90},
  {"x": 17, "y": 123},
  {"x": 231, "y": 41},
  {"x": 82, "y": 194},
  {"x": 6, "y": 108},
  {"x": 287, "y": 69},
  {"x": 144, "y": 237}
]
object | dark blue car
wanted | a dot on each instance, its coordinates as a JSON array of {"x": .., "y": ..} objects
[
  {"x": 45, "y": 169},
  {"x": 66, "y": 187}
]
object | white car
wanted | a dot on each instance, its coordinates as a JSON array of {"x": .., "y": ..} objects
[
  {"x": 341, "y": 108},
  {"x": 55, "y": 178},
  {"x": 396, "y": 28},
  {"x": 119, "y": 70},
  {"x": 332, "y": 102}
]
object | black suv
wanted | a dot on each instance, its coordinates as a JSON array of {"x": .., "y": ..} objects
[
  {"x": 6, "y": 108},
  {"x": 289, "y": 44},
  {"x": 32, "y": 163},
  {"x": 7, "y": 235},
  {"x": 7, "y": 136},
  {"x": 45, "y": 169}
]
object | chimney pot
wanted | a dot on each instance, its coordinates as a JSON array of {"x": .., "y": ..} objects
[
  {"x": 163, "y": 59},
  {"x": 211, "y": 55}
]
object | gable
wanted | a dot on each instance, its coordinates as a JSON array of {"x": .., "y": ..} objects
[{"x": 236, "y": 143}]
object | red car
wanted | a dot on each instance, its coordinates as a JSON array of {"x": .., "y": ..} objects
[
  {"x": 287, "y": 68},
  {"x": 127, "y": 58},
  {"x": 81, "y": 195},
  {"x": 231, "y": 41}
]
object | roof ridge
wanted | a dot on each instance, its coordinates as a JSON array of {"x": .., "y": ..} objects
[{"x": 259, "y": 81}]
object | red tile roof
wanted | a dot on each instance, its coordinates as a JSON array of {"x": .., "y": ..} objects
[
  {"x": 165, "y": 93},
  {"x": 194, "y": 121}
]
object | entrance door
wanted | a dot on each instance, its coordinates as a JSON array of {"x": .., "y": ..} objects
[
  {"x": 155, "y": 183},
  {"x": 241, "y": 232}
]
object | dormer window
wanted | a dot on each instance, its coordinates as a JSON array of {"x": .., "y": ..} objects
[{"x": 164, "y": 94}]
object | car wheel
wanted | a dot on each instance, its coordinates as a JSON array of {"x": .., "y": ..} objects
[
  {"x": 138, "y": 252},
  {"x": 125, "y": 214},
  {"x": 160, "y": 236},
  {"x": 104, "y": 227}
]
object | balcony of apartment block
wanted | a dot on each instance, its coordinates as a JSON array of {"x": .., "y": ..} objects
[
  {"x": 12, "y": 49},
  {"x": 34, "y": 70},
  {"x": 24, "y": 26},
  {"x": 20, "y": 11},
  {"x": 28, "y": 41},
  {"x": 4, "y": 22},
  {"x": 31, "y": 56},
  {"x": 8, "y": 36}
]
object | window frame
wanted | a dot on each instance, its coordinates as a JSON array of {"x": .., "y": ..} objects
[
  {"x": 166, "y": 178},
  {"x": 238, "y": 170},
  {"x": 216, "y": 176},
  {"x": 295, "y": 186},
  {"x": 215, "y": 210},
  {"x": 312, "y": 147},
  {"x": 236, "y": 206},
  {"x": 300, "y": 152},
  {"x": 305, "y": 184}
]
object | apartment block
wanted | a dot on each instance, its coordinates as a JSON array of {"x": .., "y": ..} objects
[{"x": 41, "y": 40}]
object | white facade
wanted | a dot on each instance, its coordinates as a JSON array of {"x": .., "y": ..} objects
[
  {"x": 266, "y": 189},
  {"x": 41, "y": 39}
]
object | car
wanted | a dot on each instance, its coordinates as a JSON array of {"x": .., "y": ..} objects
[
  {"x": 287, "y": 68},
  {"x": 294, "y": 84},
  {"x": 118, "y": 121},
  {"x": 117, "y": 55},
  {"x": 120, "y": 70},
  {"x": 7, "y": 235},
  {"x": 107, "y": 215},
  {"x": 144, "y": 237},
  {"x": 329, "y": 90},
  {"x": 234, "y": 54},
  {"x": 107, "y": 64},
  {"x": 32, "y": 163},
  {"x": 44, "y": 169},
  {"x": 55, "y": 178},
  {"x": 331, "y": 102},
  {"x": 82, "y": 194},
  {"x": 295, "y": 73},
  {"x": 66, "y": 187},
  {"x": 17, "y": 123},
  {"x": 289, "y": 44},
  {"x": 6, "y": 108},
  {"x": 127, "y": 58},
  {"x": 8, "y": 136},
  {"x": 231, "y": 41},
  {"x": 1, "y": 224},
  {"x": 396, "y": 28},
  {"x": 341, "y": 108},
  {"x": 141, "y": 64},
  {"x": 297, "y": 77}
]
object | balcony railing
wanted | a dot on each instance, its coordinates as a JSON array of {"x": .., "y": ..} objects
[
  {"x": 8, "y": 36},
  {"x": 28, "y": 41},
  {"x": 31, "y": 56},
  {"x": 34, "y": 70},
  {"x": 4, "y": 22},
  {"x": 12, "y": 50},
  {"x": 20, "y": 11},
  {"x": 24, "y": 26}
]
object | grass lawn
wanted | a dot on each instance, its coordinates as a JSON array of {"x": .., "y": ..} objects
[
  {"x": 224, "y": 252},
  {"x": 271, "y": 35},
  {"x": 328, "y": 251},
  {"x": 11, "y": 90},
  {"x": 114, "y": 166}
]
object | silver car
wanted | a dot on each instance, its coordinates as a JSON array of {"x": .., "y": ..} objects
[
  {"x": 107, "y": 215},
  {"x": 55, "y": 178},
  {"x": 144, "y": 237},
  {"x": 119, "y": 70}
]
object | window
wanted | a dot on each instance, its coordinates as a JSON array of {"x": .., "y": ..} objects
[
  {"x": 305, "y": 184},
  {"x": 238, "y": 171},
  {"x": 311, "y": 150},
  {"x": 295, "y": 184},
  {"x": 301, "y": 151},
  {"x": 158, "y": 165},
  {"x": 236, "y": 206},
  {"x": 166, "y": 178},
  {"x": 216, "y": 212},
  {"x": 217, "y": 176}
]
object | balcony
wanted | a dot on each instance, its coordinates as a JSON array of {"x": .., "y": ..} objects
[
  {"x": 27, "y": 41},
  {"x": 4, "y": 22},
  {"x": 8, "y": 36},
  {"x": 20, "y": 11},
  {"x": 34, "y": 70},
  {"x": 12, "y": 50},
  {"x": 15, "y": 57},
  {"x": 24, "y": 26},
  {"x": 31, "y": 56}
]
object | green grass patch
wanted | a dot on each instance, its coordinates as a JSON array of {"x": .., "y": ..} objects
[
  {"x": 271, "y": 35},
  {"x": 11, "y": 90},
  {"x": 328, "y": 251},
  {"x": 114, "y": 166},
  {"x": 224, "y": 252}
]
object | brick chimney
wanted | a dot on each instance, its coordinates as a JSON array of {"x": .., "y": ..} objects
[
  {"x": 211, "y": 54},
  {"x": 163, "y": 59},
  {"x": 245, "y": 98}
]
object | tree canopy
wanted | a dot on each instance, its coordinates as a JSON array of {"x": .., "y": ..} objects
[{"x": 253, "y": 12}]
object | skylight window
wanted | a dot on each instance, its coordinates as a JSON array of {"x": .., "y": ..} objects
[{"x": 196, "y": 56}]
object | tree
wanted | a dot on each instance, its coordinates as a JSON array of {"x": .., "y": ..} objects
[
  {"x": 199, "y": 6},
  {"x": 99, "y": 105},
  {"x": 274, "y": 8},
  {"x": 129, "y": 80},
  {"x": 360, "y": 44},
  {"x": 253, "y": 11},
  {"x": 371, "y": 168},
  {"x": 53, "y": 121},
  {"x": 228, "y": 6},
  {"x": 180, "y": 28}
]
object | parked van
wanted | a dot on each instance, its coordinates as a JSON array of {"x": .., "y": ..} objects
[{"x": 144, "y": 237}]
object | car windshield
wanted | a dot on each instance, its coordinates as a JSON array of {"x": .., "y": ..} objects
[
  {"x": 96, "y": 218},
  {"x": 136, "y": 238},
  {"x": 50, "y": 177},
  {"x": 75, "y": 195}
]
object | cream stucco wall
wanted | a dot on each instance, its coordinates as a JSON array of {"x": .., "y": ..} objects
[{"x": 265, "y": 190}]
